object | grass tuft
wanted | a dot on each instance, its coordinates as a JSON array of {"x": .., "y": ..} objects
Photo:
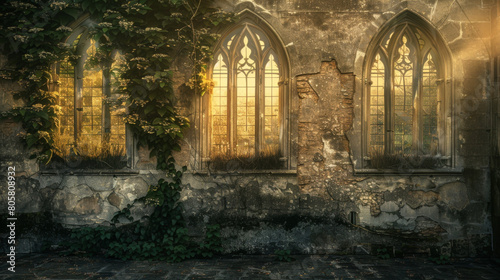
[
  {"x": 88, "y": 154},
  {"x": 380, "y": 160},
  {"x": 223, "y": 161}
]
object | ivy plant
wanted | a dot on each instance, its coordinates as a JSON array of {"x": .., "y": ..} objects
[{"x": 154, "y": 36}]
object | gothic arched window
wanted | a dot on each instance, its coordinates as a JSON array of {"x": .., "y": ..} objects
[
  {"x": 87, "y": 120},
  {"x": 248, "y": 99},
  {"x": 406, "y": 100}
]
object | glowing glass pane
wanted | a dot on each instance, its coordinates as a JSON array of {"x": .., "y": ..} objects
[
  {"x": 404, "y": 99},
  {"x": 429, "y": 107},
  {"x": 92, "y": 100},
  {"x": 117, "y": 137},
  {"x": 245, "y": 94},
  {"x": 230, "y": 42},
  {"x": 67, "y": 98},
  {"x": 220, "y": 141},
  {"x": 271, "y": 105},
  {"x": 261, "y": 42},
  {"x": 387, "y": 39},
  {"x": 377, "y": 103}
]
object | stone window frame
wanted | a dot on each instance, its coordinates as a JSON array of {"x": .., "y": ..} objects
[
  {"x": 81, "y": 35},
  {"x": 442, "y": 53},
  {"x": 251, "y": 19}
]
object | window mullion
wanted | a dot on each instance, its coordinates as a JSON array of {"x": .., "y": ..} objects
[
  {"x": 417, "y": 110},
  {"x": 231, "y": 102},
  {"x": 389, "y": 108},
  {"x": 78, "y": 98},
  {"x": 259, "y": 109},
  {"x": 106, "y": 114}
]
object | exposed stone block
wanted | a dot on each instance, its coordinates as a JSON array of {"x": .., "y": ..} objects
[
  {"x": 130, "y": 189},
  {"x": 454, "y": 195},
  {"x": 416, "y": 199},
  {"x": 450, "y": 31},
  {"x": 88, "y": 205},
  {"x": 427, "y": 227},
  {"x": 389, "y": 206},
  {"x": 114, "y": 200}
]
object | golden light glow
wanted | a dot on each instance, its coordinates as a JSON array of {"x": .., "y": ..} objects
[
  {"x": 90, "y": 135},
  {"x": 429, "y": 106},
  {"x": 404, "y": 98},
  {"x": 377, "y": 106},
  {"x": 245, "y": 100},
  {"x": 220, "y": 141},
  {"x": 271, "y": 104}
]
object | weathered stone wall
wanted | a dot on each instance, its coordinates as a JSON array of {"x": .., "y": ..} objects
[
  {"x": 495, "y": 110},
  {"x": 321, "y": 205}
]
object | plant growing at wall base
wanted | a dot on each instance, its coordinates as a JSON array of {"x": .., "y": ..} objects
[
  {"x": 383, "y": 253},
  {"x": 441, "y": 259},
  {"x": 283, "y": 255}
]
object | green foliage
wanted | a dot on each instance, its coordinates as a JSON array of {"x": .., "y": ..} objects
[
  {"x": 29, "y": 36},
  {"x": 89, "y": 240},
  {"x": 283, "y": 255},
  {"x": 383, "y": 253},
  {"x": 212, "y": 243},
  {"x": 441, "y": 259},
  {"x": 151, "y": 35}
]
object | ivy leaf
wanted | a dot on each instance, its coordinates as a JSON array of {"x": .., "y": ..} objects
[
  {"x": 162, "y": 111},
  {"x": 149, "y": 108},
  {"x": 159, "y": 130},
  {"x": 44, "y": 115},
  {"x": 31, "y": 140},
  {"x": 85, "y": 5},
  {"x": 157, "y": 121},
  {"x": 74, "y": 13}
]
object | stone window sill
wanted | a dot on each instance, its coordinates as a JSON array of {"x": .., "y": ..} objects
[
  {"x": 245, "y": 172},
  {"x": 92, "y": 172},
  {"x": 442, "y": 171}
]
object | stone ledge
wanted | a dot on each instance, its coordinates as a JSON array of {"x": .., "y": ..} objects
[
  {"x": 245, "y": 172},
  {"x": 453, "y": 171},
  {"x": 95, "y": 172}
]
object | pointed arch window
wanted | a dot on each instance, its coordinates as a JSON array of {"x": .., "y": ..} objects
[
  {"x": 87, "y": 120},
  {"x": 248, "y": 99},
  {"x": 406, "y": 101}
]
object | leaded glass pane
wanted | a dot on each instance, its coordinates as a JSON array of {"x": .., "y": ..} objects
[
  {"x": 271, "y": 105},
  {"x": 117, "y": 137},
  {"x": 377, "y": 103},
  {"x": 67, "y": 98},
  {"x": 429, "y": 107},
  {"x": 404, "y": 98},
  {"x": 245, "y": 93},
  {"x": 220, "y": 143},
  {"x": 92, "y": 100}
]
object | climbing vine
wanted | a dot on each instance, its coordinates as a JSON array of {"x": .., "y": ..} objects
[{"x": 151, "y": 35}]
